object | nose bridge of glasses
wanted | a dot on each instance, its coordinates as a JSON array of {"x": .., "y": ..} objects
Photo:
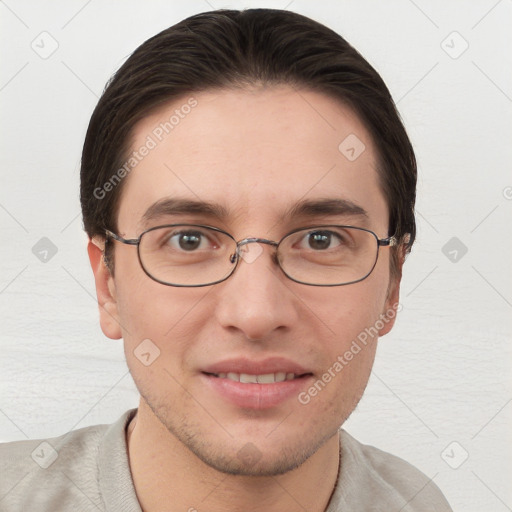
[
  {"x": 246, "y": 241},
  {"x": 242, "y": 243}
]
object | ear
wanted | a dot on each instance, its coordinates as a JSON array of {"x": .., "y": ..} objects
[
  {"x": 392, "y": 303},
  {"x": 105, "y": 291}
]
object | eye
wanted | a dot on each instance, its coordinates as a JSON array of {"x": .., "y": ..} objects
[
  {"x": 189, "y": 241},
  {"x": 321, "y": 240}
]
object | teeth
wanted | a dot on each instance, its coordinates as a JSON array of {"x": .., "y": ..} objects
[
  {"x": 267, "y": 378},
  {"x": 280, "y": 376},
  {"x": 246, "y": 378}
]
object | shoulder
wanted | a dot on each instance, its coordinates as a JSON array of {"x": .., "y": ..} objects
[
  {"x": 371, "y": 477},
  {"x": 65, "y": 471}
]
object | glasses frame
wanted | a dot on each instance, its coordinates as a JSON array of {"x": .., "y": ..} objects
[{"x": 390, "y": 241}]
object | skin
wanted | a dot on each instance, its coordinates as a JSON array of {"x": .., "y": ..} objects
[{"x": 256, "y": 152}]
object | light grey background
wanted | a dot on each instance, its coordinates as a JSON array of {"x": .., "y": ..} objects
[{"x": 441, "y": 388}]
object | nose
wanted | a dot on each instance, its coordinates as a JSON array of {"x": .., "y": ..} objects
[{"x": 256, "y": 300}]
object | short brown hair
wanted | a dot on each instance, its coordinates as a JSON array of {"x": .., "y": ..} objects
[{"x": 230, "y": 48}]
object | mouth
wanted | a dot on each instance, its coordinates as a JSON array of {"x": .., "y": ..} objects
[
  {"x": 265, "y": 378},
  {"x": 254, "y": 389}
]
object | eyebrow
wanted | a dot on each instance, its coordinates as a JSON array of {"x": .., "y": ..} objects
[
  {"x": 305, "y": 208},
  {"x": 314, "y": 208},
  {"x": 180, "y": 206}
]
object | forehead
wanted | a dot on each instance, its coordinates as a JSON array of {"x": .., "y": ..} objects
[{"x": 254, "y": 152}]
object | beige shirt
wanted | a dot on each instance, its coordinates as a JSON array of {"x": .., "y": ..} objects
[{"x": 88, "y": 470}]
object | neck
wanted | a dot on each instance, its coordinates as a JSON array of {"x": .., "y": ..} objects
[{"x": 168, "y": 476}]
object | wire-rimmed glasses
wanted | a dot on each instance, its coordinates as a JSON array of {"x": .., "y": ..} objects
[{"x": 192, "y": 255}]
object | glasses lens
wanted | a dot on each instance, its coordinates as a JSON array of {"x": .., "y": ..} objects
[
  {"x": 186, "y": 255},
  {"x": 328, "y": 255}
]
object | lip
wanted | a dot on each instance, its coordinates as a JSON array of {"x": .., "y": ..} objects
[
  {"x": 268, "y": 365},
  {"x": 252, "y": 395}
]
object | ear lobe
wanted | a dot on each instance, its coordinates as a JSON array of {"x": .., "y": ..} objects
[
  {"x": 105, "y": 291},
  {"x": 388, "y": 316},
  {"x": 392, "y": 303}
]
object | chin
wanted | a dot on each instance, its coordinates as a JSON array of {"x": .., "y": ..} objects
[
  {"x": 248, "y": 460},
  {"x": 251, "y": 455},
  {"x": 240, "y": 451}
]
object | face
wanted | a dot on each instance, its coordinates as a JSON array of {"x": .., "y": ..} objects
[{"x": 256, "y": 154}]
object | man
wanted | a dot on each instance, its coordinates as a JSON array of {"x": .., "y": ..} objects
[{"x": 248, "y": 189}]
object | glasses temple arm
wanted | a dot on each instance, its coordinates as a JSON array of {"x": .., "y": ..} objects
[{"x": 130, "y": 241}]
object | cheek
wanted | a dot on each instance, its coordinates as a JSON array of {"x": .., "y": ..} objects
[
  {"x": 350, "y": 310},
  {"x": 347, "y": 357},
  {"x": 155, "y": 318},
  {"x": 352, "y": 315}
]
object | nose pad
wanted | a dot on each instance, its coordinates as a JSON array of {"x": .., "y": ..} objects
[
  {"x": 247, "y": 252},
  {"x": 250, "y": 252},
  {"x": 250, "y": 249}
]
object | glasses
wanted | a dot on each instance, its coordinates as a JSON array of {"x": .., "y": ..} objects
[{"x": 194, "y": 255}]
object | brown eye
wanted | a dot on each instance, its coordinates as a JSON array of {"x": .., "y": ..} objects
[
  {"x": 189, "y": 241},
  {"x": 320, "y": 240}
]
